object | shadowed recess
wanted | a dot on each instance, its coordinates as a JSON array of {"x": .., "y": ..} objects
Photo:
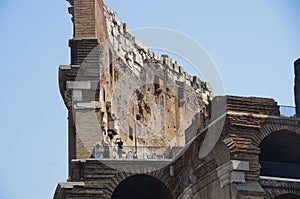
[
  {"x": 141, "y": 186},
  {"x": 280, "y": 155},
  {"x": 287, "y": 196}
]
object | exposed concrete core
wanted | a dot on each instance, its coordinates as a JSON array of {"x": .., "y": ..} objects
[{"x": 297, "y": 86}]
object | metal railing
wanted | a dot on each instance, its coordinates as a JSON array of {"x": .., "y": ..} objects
[{"x": 132, "y": 152}]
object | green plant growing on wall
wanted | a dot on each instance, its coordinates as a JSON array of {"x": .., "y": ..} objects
[
  {"x": 100, "y": 48},
  {"x": 101, "y": 52},
  {"x": 116, "y": 75},
  {"x": 208, "y": 108}
]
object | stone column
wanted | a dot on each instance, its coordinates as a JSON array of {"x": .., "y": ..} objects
[
  {"x": 88, "y": 19},
  {"x": 297, "y": 86}
]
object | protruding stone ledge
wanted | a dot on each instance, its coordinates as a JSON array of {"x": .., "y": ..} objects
[
  {"x": 240, "y": 165},
  {"x": 65, "y": 67},
  {"x": 79, "y": 85},
  {"x": 232, "y": 171},
  {"x": 71, "y": 185},
  {"x": 87, "y": 105},
  {"x": 84, "y": 38},
  {"x": 251, "y": 190}
]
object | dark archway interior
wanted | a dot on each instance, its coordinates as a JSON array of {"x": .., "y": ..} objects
[
  {"x": 141, "y": 187},
  {"x": 287, "y": 196},
  {"x": 280, "y": 155}
]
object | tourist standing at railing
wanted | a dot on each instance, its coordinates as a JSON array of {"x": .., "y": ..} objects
[
  {"x": 123, "y": 155},
  {"x": 98, "y": 151},
  {"x": 129, "y": 155},
  {"x": 119, "y": 142}
]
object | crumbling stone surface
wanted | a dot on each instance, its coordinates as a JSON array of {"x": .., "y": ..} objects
[
  {"x": 152, "y": 92},
  {"x": 135, "y": 94},
  {"x": 116, "y": 87}
]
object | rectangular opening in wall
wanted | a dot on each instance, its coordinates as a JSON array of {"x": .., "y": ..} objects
[
  {"x": 111, "y": 70},
  {"x": 180, "y": 93},
  {"x": 130, "y": 133}
]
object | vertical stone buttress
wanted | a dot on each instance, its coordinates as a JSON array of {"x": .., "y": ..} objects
[
  {"x": 297, "y": 86},
  {"x": 89, "y": 29},
  {"x": 88, "y": 19}
]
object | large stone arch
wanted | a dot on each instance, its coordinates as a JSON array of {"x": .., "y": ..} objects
[
  {"x": 281, "y": 146},
  {"x": 141, "y": 186},
  {"x": 273, "y": 126},
  {"x": 280, "y": 155},
  {"x": 288, "y": 192},
  {"x": 120, "y": 176}
]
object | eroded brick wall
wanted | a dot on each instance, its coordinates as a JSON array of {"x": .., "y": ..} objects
[
  {"x": 88, "y": 18},
  {"x": 84, "y": 18}
]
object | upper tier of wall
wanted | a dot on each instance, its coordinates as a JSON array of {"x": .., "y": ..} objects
[{"x": 136, "y": 55}]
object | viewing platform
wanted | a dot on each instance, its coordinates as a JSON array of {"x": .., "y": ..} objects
[{"x": 135, "y": 152}]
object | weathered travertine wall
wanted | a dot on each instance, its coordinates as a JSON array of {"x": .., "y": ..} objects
[
  {"x": 129, "y": 91},
  {"x": 155, "y": 88},
  {"x": 115, "y": 86}
]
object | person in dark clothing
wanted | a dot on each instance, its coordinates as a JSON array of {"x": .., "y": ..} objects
[{"x": 119, "y": 142}]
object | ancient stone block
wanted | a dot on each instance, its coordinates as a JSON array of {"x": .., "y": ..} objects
[{"x": 78, "y": 84}]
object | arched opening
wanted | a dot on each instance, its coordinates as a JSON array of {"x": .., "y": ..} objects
[
  {"x": 287, "y": 196},
  {"x": 280, "y": 155},
  {"x": 141, "y": 186}
]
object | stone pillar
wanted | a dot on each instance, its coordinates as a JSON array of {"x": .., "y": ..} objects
[
  {"x": 88, "y": 19},
  {"x": 297, "y": 86}
]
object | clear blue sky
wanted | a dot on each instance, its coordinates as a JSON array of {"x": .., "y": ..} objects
[{"x": 252, "y": 42}]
